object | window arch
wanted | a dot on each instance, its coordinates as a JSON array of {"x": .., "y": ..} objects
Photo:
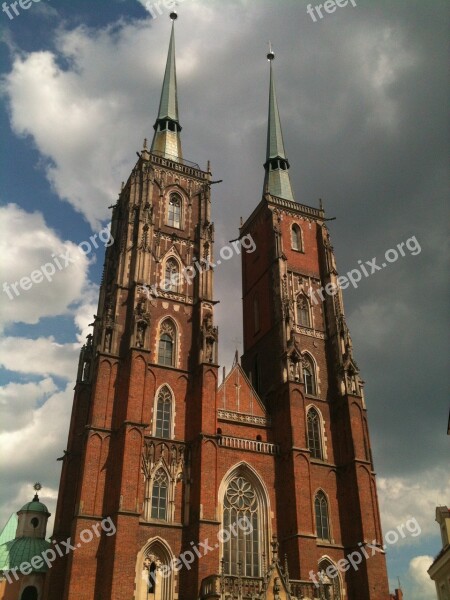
[
  {"x": 155, "y": 579},
  {"x": 309, "y": 376},
  {"x": 174, "y": 211},
  {"x": 314, "y": 433},
  {"x": 296, "y": 238},
  {"x": 29, "y": 593},
  {"x": 159, "y": 508},
  {"x": 167, "y": 343},
  {"x": 322, "y": 516},
  {"x": 244, "y": 502},
  {"x": 332, "y": 587},
  {"x": 172, "y": 275},
  {"x": 303, "y": 311},
  {"x": 163, "y": 423}
]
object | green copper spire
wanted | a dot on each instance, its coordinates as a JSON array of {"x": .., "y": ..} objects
[
  {"x": 166, "y": 140},
  {"x": 277, "y": 181}
]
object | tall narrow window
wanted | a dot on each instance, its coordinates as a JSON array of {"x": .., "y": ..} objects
[
  {"x": 332, "y": 587},
  {"x": 163, "y": 413},
  {"x": 172, "y": 275},
  {"x": 242, "y": 549},
  {"x": 314, "y": 434},
  {"x": 308, "y": 377},
  {"x": 166, "y": 349},
  {"x": 174, "y": 211},
  {"x": 296, "y": 237},
  {"x": 322, "y": 518},
  {"x": 159, "y": 496},
  {"x": 303, "y": 312}
]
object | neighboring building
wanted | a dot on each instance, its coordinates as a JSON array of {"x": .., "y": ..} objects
[
  {"x": 281, "y": 446},
  {"x": 22, "y": 542},
  {"x": 397, "y": 595},
  {"x": 440, "y": 569}
]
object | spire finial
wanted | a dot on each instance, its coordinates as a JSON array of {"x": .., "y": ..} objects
[
  {"x": 166, "y": 139},
  {"x": 271, "y": 55},
  {"x": 37, "y": 488}
]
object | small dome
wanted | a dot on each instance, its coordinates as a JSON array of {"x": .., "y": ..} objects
[
  {"x": 20, "y": 550},
  {"x": 34, "y": 506}
]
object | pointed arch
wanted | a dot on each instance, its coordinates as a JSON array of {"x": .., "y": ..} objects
[
  {"x": 296, "y": 237},
  {"x": 333, "y": 589},
  {"x": 171, "y": 279},
  {"x": 174, "y": 210},
  {"x": 314, "y": 432},
  {"x": 163, "y": 413},
  {"x": 303, "y": 311},
  {"x": 243, "y": 498},
  {"x": 322, "y": 514},
  {"x": 167, "y": 343},
  {"x": 153, "y": 581}
]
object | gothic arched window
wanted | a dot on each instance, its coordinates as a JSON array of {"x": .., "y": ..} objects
[
  {"x": 167, "y": 343},
  {"x": 159, "y": 495},
  {"x": 174, "y": 211},
  {"x": 322, "y": 518},
  {"x": 314, "y": 433},
  {"x": 164, "y": 413},
  {"x": 303, "y": 312},
  {"x": 172, "y": 275},
  {"x": 243, "y": 544},
  {"x": 332, "y": 587},
  {"x": 296, "y": 237},
  {"x": 309, "y": 378}
]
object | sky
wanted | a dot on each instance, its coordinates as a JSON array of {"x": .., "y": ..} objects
[{"x": 363, "y": 95}]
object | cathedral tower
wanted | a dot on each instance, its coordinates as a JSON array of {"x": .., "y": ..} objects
[
  {"x": 298, "y": 355},
  {"x": 146, "y": 382}
]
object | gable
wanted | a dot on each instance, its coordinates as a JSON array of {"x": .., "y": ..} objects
[{"x": 236, "y": 394}]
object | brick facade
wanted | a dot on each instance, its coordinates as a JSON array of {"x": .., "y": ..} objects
[{"x": 249, "y": 431}]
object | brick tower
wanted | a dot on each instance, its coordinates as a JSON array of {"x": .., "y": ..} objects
[{"x": 176, "y": 488}]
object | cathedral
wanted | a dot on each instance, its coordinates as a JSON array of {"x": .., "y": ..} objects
[{"x": 252, "y": 484}]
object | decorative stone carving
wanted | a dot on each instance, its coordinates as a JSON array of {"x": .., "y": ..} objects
[
  {"x": 209, "y": 338},
  {"x": 142, "y": 322},
  {"x": 86, "y": 358}
]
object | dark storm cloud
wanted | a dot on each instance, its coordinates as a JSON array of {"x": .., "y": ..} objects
[{"x": 363, "y": 100}]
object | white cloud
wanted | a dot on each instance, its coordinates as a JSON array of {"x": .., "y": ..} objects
[
  {"x": 26, "y": 245},
  {"x": 77, "y": 117},
  {"x": 403, "y": 498},
  {"x": 424, "y": 588},
  {"x": 42, "y": 356},
  {"x": 19, "y": 400},
  {"x": 29, "y": 454}
]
